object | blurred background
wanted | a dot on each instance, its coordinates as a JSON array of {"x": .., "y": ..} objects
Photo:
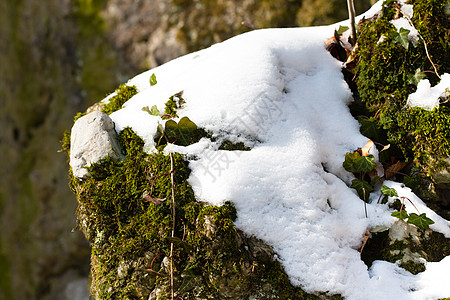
[{"x": 57, "y": 57}]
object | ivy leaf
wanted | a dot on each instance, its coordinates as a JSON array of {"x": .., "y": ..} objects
[
  {"x": 371, "y": 129},
  {"x": 356, "y": 163},
  {"x": 391, "y": 192},
  {"x": 153, "y": 111},
  {"x": 342, "y": 29},
  {"x": 186, "y": 124},
  {"x": 400, "y": 214},
  {"x": 179, "y": 243},
  {"x": 402, "y": 37},
  {"x": 171, "y": 127},
  {"x": 183, "y": 132},
  {"x": 362, "y": 187},
  {"x": 365, "y": 163},
  {"x": 349, "y": 162},
  {"x": 421, "y": 221},
  {"x": 153, "y": 80},
  {"x": 416, "y": 77}
]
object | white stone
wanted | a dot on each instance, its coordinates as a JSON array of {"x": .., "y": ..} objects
[{"x": 92, "y": 138}]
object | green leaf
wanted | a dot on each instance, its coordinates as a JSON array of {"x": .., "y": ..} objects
[
  {"x": 342, "y": 29},
  {"x": 160, "y": 128},
  {"x": 365, "y": 163},
  {"x": 416, "y": 77},
  {"x": 179, "y": 243},
  {"x": 186, "y": 124},
  {"x": 362, "y": 187},
  {"x": 371, "y": 129},
  {"x": 421, "y": 221},
  {"x": 402, "y": 37},
  {"x": 183, "y": 133},
  {"x": 391, "y": 192},
  {"x": 400, "y": 214},
  {"x": 153, "y": 80},
  {"x": 153, "y": 111},
  {"x": 356, "y": 163},
  {"x": 349, "y": 162}
]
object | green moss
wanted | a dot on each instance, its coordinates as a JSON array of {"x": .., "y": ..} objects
[
  {"x": 384, "y": 72},
  {"x": 79, "y": 115},
  {"x": 123, "y": 94},
  {"x": 172, "y": 105},
  {"x": 430, "y": 245},
  {"x": 65, "y": 142},
  {"x": 228, "y": 145},
  {"x": 434, "y": 244},
  {"x": 131, "y": 237},
  {"x": 412, "y": 267},
  {"x": 427, "y": 134}
]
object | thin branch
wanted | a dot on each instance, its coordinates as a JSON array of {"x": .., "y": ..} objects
[
  {"x": 249, "y": 25},
  {"x": 351, "y": 14},
  {"x": 424, "y": 43},
  {"x": 173, "y": 225}
]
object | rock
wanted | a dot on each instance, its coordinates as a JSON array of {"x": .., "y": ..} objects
[
  {"x": 93, "y": 137},
  {"x": 443, "y": 176}
]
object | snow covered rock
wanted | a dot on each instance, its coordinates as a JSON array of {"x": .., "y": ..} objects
[
  {"x": 282, "y": 96},
  {"x": 93, "y": 137}
]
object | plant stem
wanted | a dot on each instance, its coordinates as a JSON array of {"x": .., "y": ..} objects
[
  {"x": 424, "y": 43},
  {"x": 173, "y": 225},
  {"x": 351, "y": 14}
]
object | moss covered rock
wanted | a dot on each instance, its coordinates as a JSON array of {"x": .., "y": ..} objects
[
  {"x": 387, "y": 72},
  {"x": 143, "y": 239}
]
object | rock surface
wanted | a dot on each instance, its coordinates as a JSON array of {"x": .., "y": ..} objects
[{"x": 93, "y": 137}]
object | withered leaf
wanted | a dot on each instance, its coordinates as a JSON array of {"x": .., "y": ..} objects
[
  {"x": 149, "y": 198},
  {"x": 365, "y": 150},
  {"x": 394, "y": 169}
]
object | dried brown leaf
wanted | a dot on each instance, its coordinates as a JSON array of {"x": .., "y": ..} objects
[{"x": 395, "y": 168}]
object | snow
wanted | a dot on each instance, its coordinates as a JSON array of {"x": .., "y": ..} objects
[
  {"x": 281, "y": 93},
  {"x": 427, "y": 97}
]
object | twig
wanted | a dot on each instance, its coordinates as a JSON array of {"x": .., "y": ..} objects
[
  {"x": 365, "y": 239},
  {"x": 151, "y": 267},
  {"x": 184, "y": 229},
  {"x": 154, "y": 179},
  {"x": 249, "y": 25},
  {"x": 424, "y": 42},
  {"x": 173, "y": 225},
  {"x": 403, "y": 202},
  {"x": 351, "y": 14}
]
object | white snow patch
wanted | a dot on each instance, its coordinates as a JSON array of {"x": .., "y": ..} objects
[
  {"x": 407, "y": 10},
  {"x": 426, "y": 96}
]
